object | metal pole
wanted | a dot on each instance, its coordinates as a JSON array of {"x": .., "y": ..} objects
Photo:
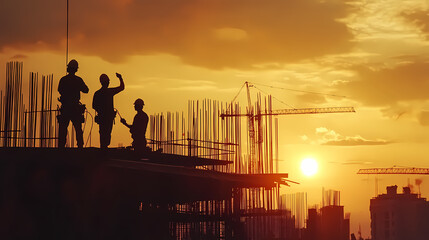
[
  {"x": 67, "y": 41},
  {"x": 25, "y": 129}
]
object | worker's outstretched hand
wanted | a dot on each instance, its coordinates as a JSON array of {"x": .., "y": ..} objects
[{"x": 119, "y": 75}]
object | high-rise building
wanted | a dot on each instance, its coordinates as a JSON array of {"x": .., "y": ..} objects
[
  {"x": 327, "y": 224},
  {"x": 399, "y": 216}
]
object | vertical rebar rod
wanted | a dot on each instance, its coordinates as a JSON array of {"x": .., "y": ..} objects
[
  {"x": 1, "y": 117},
  {"x": 67, "y": 34},
  {"x": 42, "y": 115}
]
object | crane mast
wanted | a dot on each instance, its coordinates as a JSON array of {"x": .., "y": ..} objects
[{"x": 251, "y": 127}]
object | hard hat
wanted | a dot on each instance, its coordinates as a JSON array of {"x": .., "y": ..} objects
[
  {"x": 73, "y": 64},
  {"x": 104, "y": 79},
  {"x": 139, "y": 102}
]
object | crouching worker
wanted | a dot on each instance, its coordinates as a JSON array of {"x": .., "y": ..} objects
[{"x": 138, "y": 128}]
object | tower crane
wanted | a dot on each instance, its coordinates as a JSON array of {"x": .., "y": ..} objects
[
  {"x": 252, "y": 116},
  {"x": 290, "y": 111},
  {"x": 256, "y": 116},
  {"x": 394, "y": 170}
]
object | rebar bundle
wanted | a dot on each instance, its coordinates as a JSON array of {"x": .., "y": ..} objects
[
  {"x": 12, "y": 106},
  {"x": 34, "y": 126}
]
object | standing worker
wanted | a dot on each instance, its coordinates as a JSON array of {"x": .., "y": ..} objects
[
  {"x": 103, "y": 105},
  {"x": 71, "y": 109},
  {"x": 138, "y": 128}
]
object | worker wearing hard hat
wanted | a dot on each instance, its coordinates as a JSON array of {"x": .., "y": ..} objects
[
  {"x": 139, "y": 126},
  {"x": 71, "y": 109},
  {"x": 103, "y": 105}
]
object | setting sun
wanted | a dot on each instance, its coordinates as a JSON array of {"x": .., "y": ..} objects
[{"x": 309, "y": 167}]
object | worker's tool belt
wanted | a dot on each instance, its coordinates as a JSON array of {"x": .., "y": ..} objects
[
  {"x": 72, "y": 111},
  {"x": 105, "y": 117}
]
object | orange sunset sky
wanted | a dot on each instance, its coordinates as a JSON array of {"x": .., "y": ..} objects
[{"x": 373, "y": 52}]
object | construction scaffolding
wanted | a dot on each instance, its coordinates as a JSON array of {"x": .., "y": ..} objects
[{"x": 204, "y": 134}]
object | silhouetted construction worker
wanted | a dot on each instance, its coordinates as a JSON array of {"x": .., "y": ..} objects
[
  {"x": 138, "y": 128},
  {"x": 103, "y": 104},
  {"x": 71, "y": 109}
]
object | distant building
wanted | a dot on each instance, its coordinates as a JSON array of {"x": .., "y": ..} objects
[
  {"x": 327, "y": 224},
  {"x": 399, "y": 216},
  {"x": 272, "y": 224}
]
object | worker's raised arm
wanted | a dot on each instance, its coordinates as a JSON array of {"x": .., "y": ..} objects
[{"x": 121, "y": 84}]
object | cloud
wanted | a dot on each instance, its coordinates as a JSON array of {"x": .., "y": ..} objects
[
  {"x": 186, "y": 85},
  {"x": 19, "y": 57},
  {"x": 390, "y": 85},
  {"x": 194, "y": 88},
  {"x": 353, "y": 162},
  {"x": 332, "y": 138},
  {"x": 420, "y": 18},
  {"x": 357, "y": 163},
  {"x": 393, "y": 72},
  {"x": 312, "y": 98},
  {"x": 424, "y": 118},
  {"x": 212, "y": 34},
  {"x": 355, "y": 141},
  {"x": 408, "y": 110},
  {"x": 231, "y": 34}
]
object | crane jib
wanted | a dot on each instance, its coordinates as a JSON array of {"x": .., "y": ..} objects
[{"x": 296, "y": 111}]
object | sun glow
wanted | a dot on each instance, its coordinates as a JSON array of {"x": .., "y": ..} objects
[{"x": 309, "y": 166}]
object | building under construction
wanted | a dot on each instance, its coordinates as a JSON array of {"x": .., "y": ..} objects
[
  {"x": 328, "y": 222},
  {"x": 210, "y": 174},
  {"x": 215, "y": 178}
]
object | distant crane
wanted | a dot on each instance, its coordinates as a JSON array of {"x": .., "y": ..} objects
[
  {"x": 395, "y": 170},
  {"x": 286, "y": 111},
  {"x": 255, "y": 117},
  {"x": 252, "y": 116},
  {"x": 294, "y": 111}
]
